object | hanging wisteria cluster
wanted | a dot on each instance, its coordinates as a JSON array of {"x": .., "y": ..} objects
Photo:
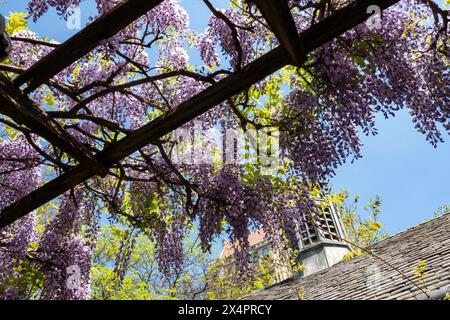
[
  {"x": 19, "y": 175},
  {"x": 402, "y": 65},
  {"x": 145, "y": 71}
]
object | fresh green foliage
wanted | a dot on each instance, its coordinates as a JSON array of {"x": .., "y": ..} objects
[
  {"x": 362, "y": 230},
  {"x": 16, "y": 21},
  {"x": 140, "y": 278},
  {"x": 226, "y": 283},
  {"x": 421, "y": 271}
]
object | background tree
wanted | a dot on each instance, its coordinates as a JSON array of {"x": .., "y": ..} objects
[
  {"x": 363, "y": 229},
  {"x": 225, "y": 282},
  {"x": 125, "y": 266}
]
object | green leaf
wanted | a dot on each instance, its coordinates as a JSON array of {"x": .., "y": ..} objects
[{"x": 375, "y": 226}]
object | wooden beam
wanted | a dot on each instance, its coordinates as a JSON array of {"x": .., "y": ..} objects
[
  {"x": 83, "y": 42},
  {"x": 23, "y": 111},
  {"x": 280, "y": 20},
  {"x": 316, "y": 36}
]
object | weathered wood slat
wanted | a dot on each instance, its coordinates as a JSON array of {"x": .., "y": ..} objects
[
  {"x": 84, "y": 41},
  {"x": 312, "y": 38},
  {"x": 281, "y": 22},
  {"x": 23, "y": 111}
]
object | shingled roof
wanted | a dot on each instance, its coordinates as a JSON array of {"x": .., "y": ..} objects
[{"x": 366, "y": 277}]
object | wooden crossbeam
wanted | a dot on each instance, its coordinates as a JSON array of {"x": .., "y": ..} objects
[
  {"x": 84, "y": 41},
  {"x": 17, "y": 106},
  {"x": 316, "y": 36},
  {"x": 280, "y": 20}
]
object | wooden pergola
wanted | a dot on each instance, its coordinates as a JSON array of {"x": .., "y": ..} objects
[{"x": 15, "y": 103}]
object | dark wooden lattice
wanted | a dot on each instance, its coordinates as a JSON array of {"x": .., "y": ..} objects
[{"x": 14, "y": 103}]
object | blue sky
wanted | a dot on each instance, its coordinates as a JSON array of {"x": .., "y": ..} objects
[{"x": 411, "y": 176}]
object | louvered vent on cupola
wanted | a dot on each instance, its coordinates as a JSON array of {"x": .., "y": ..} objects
[{"x": 321, "y": 241}]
